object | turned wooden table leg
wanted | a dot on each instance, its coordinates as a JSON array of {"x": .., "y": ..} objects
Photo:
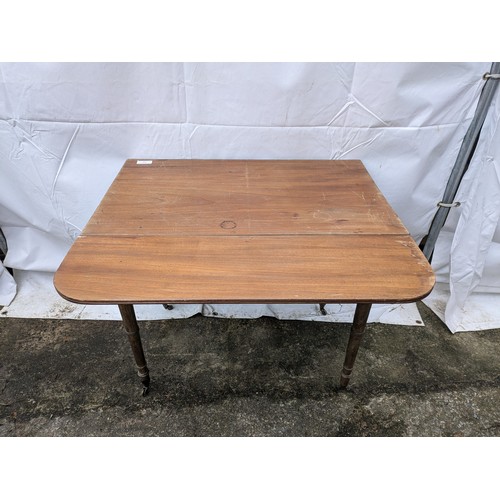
[
  {"x": 357, "y": 331},
  {"x": 132, "y": 328}
]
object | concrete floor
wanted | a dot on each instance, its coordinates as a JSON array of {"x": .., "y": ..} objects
[{"x": 231, "y": 377}]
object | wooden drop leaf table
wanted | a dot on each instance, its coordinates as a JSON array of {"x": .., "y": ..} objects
[{"x": 244, "y": 231}]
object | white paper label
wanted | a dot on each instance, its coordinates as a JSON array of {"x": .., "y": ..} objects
[{"x": 144, "y": 162}]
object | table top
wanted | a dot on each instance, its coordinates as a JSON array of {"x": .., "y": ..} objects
[{"x": 244, "y": 231}]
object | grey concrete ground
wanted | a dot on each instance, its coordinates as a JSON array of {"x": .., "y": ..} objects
[{"x": 264, "y": 377}]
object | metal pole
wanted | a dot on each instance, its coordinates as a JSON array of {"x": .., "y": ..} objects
[{"x": 463, "y": 159}]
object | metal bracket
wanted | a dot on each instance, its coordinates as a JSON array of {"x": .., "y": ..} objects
[
  {"x": 491, "y": 76},
  {"x": 449, "y": 205}
]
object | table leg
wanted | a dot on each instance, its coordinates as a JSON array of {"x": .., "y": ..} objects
[
  {"x": 357, "y": 331},
  {"x": 132, "y": 328}
]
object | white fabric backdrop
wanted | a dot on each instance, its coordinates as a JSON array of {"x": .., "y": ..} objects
[
  {"x": 66, "y": 129},
  {"x": 467, "y": 258}
]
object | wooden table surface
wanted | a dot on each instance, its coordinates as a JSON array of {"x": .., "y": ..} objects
[{"x": 244, "y": 231}]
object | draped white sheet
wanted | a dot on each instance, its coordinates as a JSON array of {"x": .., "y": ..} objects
[
  {"x": 66, "y": 129},
  {"x": 467, "y": 259}
]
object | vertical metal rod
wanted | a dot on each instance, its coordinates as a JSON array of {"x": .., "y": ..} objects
[
  {"x": 357, "y": 331},
  {"x": 132, "y": 328},
  {"x": 462, "y": 162}
]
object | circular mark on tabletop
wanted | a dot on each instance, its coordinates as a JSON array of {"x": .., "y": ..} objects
[{"x": 228, "y": 224}]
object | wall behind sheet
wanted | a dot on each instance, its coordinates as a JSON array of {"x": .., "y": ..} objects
[{"x": 66, "y": 129}]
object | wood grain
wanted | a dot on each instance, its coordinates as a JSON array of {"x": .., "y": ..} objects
[
  {"x": 244, "y": 197},
  {"x": 238, "y": 231},
  {"x": 244, "y": 269}
]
